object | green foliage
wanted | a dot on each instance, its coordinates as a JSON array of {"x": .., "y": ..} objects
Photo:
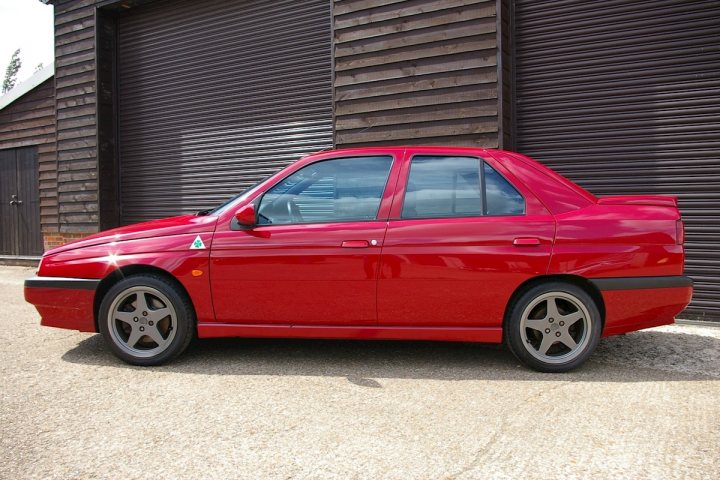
[{"x": 11, "y": 71}]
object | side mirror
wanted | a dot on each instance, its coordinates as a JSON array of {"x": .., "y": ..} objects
[{"x": 246, "y": 215}]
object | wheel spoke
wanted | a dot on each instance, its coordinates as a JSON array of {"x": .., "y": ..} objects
[
  {"x": 538, "y": 325},
  {"x": 135, "y": 335},
  {"x": 159, "y": 314},
  {"x": 126, "y": 317},
  {"x": 571, "y": 318},
  {"x": 157, "y": 337},
  {"x": 552, "y": 310},
  {"x": 141, "y": 303},
  {"x": 546, "y": 343},
  {"x": 566, "y": 339}
]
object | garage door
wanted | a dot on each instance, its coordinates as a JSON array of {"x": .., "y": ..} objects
[
  {"x": 214, "y": 96},
  {"x": 624, "y": 98}
]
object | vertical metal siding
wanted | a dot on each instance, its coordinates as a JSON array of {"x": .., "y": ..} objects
[
  {"x": 214, "y": 95},
  {"x": 624, "y": 98}
]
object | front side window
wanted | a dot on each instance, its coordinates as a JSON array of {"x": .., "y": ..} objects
[
  {"x": 458, "y": 187},
  {"x": 340, "y": 190}
]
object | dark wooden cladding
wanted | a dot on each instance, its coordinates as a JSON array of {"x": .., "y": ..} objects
[
  {"x": 505, "y": 74},
  {"x": 624, "y": 98},
  {"x": 29, "y": 121},
  {"x": 77, "y": 167},
  {"x": 415, "y": 72}
]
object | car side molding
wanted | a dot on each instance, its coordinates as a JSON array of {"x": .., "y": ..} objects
[
  {"x": 62, "y": 282},
  {"x": 638, "y": 283}
]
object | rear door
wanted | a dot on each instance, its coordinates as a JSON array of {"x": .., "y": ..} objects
[{"x": 461, "y": 238}]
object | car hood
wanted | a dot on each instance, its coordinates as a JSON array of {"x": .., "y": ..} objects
[{"x": 157, "y": 228}]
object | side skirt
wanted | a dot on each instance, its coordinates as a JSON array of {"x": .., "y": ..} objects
[{"x": 448, "y": 334}]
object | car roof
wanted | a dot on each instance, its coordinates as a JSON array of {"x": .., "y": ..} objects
[{"x": 414, "y": 148}]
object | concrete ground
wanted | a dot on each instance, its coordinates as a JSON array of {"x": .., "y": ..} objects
[{"x": 647, "y": 405}]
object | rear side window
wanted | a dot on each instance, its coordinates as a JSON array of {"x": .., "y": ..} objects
[
  {"x": 501, "y": 198},
  {"x": 443, "y": 187},
  {"x": 458, "y": 187}
]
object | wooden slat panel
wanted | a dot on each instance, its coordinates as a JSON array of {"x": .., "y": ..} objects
[
  {"x": 415, "y": 71},
  {"x": 437, "y": 48},
  {"x": 481, "y": 16},
  {"x": 418, "y": 84},
  {"x": 76, "y": 115},
  {"x": 346, "y": 15}
]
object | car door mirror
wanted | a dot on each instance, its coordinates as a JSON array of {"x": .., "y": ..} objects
[{"x": 246, "y": 215}]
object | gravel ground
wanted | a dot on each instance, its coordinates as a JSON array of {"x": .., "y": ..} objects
[{"x": 647, "y": 405}]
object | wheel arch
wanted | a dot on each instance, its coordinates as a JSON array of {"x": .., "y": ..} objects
[
  {"x": 127, "y": 271},
  {"x": 580, "y": 282}
]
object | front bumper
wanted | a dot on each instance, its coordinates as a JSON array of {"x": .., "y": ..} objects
[{"x": 63, "y": 302}]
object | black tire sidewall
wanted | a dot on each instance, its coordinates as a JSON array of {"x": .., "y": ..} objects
[
  {"x": 514, "y": 340},
  {"x": 185, "y": 322}
]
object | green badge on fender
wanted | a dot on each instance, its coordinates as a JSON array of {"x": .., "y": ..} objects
[{"x": 197, "y": 244}]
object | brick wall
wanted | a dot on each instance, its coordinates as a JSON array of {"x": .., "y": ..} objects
[{"x": 55, "y": 239}]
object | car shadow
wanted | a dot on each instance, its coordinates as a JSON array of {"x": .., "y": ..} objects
[{"x": 636, "y": 357}]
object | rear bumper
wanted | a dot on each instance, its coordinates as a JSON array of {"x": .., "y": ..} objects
[
  {"x": 63, "y": 302},
  {"x": 635, "y": 303}
]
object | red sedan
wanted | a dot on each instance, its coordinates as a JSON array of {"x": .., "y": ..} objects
[{"x": 422, "y": 243}]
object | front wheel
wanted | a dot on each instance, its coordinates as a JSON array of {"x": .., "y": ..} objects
[
  {"x": 553, "y": 327},
  {"x": 146, "y": 319}
]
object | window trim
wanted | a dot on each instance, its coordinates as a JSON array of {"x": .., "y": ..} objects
[
  {"x": 258, "y": 200},
  {"x": 483, "y": 194},
  {"x": 524, "y": 211}
]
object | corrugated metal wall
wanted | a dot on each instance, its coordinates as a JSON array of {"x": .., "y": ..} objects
[
  {"x": 624, "y": 98},
  {"x": 214, "y": 96},
  {"x": 415, "y": 72}
]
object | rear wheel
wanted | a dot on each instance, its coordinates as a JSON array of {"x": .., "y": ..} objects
[
  {"x": 146, "y": 320},
  {"x": 553, "y": 327}
]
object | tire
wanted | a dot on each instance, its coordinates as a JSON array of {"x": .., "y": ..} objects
[
  {"x": 553, "y": 327},
  {"x": 147, "y": 320}
]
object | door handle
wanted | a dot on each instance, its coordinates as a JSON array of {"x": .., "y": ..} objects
[
  {"x": 355, "y": 244},
  {"x": 14, "y": 200},
  {"x": 526, "y": 242}
]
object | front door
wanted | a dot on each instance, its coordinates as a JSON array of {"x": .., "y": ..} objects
[
  {"x": 313, "y": 257},
  {"x": 19, "y": 203}
]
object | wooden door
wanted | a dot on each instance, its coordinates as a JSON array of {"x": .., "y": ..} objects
[{"x": 19, "y": 203}]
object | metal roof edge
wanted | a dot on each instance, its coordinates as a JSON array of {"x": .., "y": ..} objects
[{"x": 21, "y": 89}]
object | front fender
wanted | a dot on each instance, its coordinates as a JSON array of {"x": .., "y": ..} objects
[{"x": 173, "y": 254}]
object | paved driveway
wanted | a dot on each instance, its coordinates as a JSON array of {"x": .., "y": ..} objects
[{"x": 646, "y": 406}]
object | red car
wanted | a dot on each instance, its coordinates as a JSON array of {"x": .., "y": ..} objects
[{"x": 421, "y": 243}]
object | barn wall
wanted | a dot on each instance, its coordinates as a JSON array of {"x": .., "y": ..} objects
[
  {"x": 415, "y": 72},
  {"x": 30, "y": 121},
  {"x": 77, "y": 176}
]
